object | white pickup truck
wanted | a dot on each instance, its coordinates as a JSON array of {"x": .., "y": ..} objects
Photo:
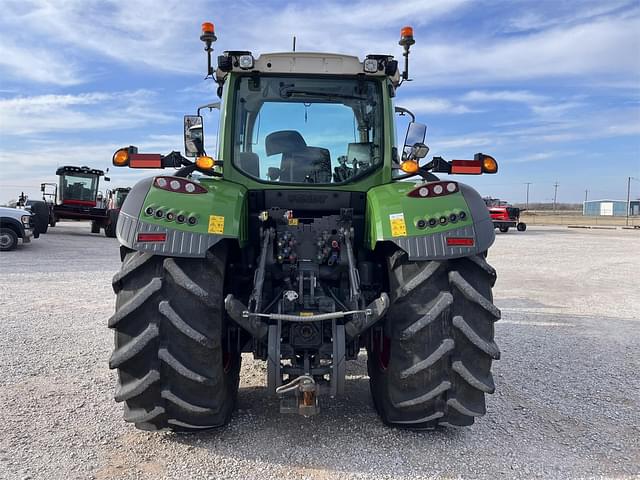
[{"x": 14, "y": 224}]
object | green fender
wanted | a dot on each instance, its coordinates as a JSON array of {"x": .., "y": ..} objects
[
  {"x": 219, "y": 213},
  {"x": 393, "y": 216}
]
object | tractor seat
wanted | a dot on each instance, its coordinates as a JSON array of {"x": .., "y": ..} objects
[{"x": 300, "y": 163}]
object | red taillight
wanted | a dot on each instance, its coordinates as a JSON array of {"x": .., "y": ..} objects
[
  {"x": 466, "y": 167},
  {"x": 178, "y": 185},
  {"x": 460, "y": 242},
  {"x": 152, "y": 237},
  {"x": 145, "y": 160},
  {"x": 435, "y": 189}
]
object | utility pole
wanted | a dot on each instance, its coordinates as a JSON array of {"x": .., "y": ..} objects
[
  {"x": 555, "y": 195},
  {"x": 628, "y": 199},
  {"x": 527, "y": 203},
  {"x": 584, "y": 205}
]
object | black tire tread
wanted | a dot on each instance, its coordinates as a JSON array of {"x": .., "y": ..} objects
[
  {"x": 440, "y": 326},
  {"x": 168, "y": 324}
]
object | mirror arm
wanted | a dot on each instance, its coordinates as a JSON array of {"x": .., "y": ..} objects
[
  {"x": 403, "y": 111},
  {"x": 438, "y": 165},
  {"x": 175, "y": 160},
  {"x": 192, "y": 167}
]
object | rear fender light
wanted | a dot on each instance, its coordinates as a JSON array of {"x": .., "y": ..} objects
[
  {"x": 145, "y": 160},
  {"x": 435, "y": 189},
  {"x": 152, "y": 237},
  {"x": 480, "y": 164},
  {"x": 466, "y": 167},
  {"x": 178, "y": 185},
  {"x": 460, "y": 242}
]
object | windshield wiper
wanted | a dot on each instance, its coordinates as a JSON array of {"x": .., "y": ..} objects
[{"x": 288, "y": 92}]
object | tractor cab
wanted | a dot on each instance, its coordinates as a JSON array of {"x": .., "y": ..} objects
[
  {"x": 78, "y": 197},
  {"x": 116, "y": 197},
  {"x": 78, "y": 186}
]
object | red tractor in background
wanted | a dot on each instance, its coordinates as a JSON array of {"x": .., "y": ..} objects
[
  {"x": 115, "y": 199},
  {"x": 504, "y": 216},
  {"x": 77, "y": 197}
]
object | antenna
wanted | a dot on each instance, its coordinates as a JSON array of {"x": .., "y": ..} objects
[{"x": 294, "y": 43}]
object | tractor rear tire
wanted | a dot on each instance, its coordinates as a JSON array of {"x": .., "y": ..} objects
[
  {"x": 40, "y": 214},
  {"x": 173, "y": 372},
  {"x": 110, "y": 228},
  {"x": 504, "y": 229},
  {"x": 432, "y": 365},
  {"x": 521, "y": 227},
  {"x": 95, "y": 227}
]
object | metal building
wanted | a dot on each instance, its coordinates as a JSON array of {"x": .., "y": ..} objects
[{"x": 611, "y": 208}]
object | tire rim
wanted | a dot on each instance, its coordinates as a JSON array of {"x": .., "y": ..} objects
[
  {"x": 226, "y": 361},
  {"x": 5, "y": 240},
  {"x": 383, "y": 349}
]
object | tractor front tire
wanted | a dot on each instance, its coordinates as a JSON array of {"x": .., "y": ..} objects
[
  {"x": 521, "y": 227},
  {"x": 110, "y": 228},
  {"x": 173, "y": 372},
  {"x": 40, "y": 216},
  {"x": 95, "y": 227},
  {"x": 432, "y": 363},
  {"x": 504, "y": 229}
]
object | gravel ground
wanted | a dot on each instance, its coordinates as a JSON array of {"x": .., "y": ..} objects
[{"x": 566, "y": 406}]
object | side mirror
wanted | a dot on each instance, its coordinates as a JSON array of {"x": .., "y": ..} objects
[
  {"x": 413, "y": 141},
  {"x": 193, "y": 136},
  {"x": 107, "y": 179},
  {"x": 416, "y": 133}
]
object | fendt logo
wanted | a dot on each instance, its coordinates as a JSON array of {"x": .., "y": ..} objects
[{"x": 307, "y": 198}]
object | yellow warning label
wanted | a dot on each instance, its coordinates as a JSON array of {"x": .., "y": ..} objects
[
  {"x": 306, "y": 314},
  {"x": 398, "y": 227},
  {"x": 216, "y": 224},
  {"x": 293, "y": 221}
]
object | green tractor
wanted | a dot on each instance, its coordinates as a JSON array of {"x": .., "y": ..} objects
[{"x": 301, "y": 244}]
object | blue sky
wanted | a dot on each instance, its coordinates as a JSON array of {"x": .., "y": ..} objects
[{"x": 550, "y": 88}]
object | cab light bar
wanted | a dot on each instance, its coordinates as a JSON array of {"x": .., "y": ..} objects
[{"x": 152, "y": 237}]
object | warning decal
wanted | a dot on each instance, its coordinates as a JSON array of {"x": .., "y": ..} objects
[
  {"x": 216, "y": 224},
  {"x": 398, "y": 227}
]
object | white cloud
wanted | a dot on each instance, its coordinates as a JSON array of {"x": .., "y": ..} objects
[
  {"x": 428, "y": 105},
  {"x": 165, "y": 35},
  {"x": 518, "y": 96},
  {"x": 604, "y": 49},
  {"x": 443, "y": 145},
  {"x": 85, "y": 111},
  {"x": 563, "y": 14},
  {"x": 36, "y": 64}
]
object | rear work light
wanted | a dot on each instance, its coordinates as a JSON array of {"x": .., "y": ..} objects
[
  {"x": 435, "y": 189},
  {"x": 152, "y": 237},
  {"x": 460, "y": 242},
  {"x": 178, "y": 185}
]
